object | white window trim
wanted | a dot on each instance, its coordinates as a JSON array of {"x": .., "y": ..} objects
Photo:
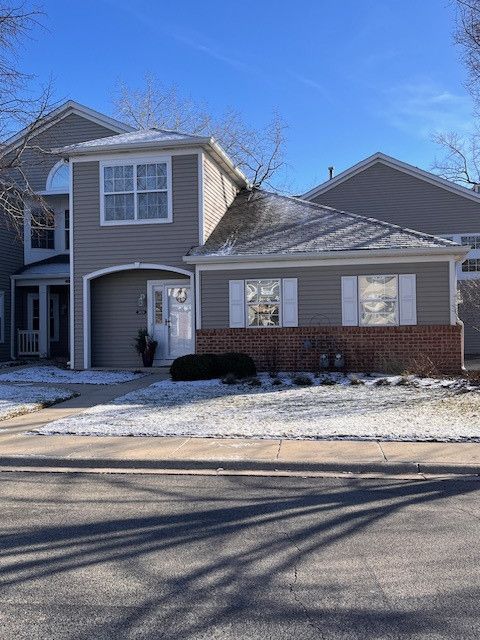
[
  {"x": 471, "y": 255},
  {"x": 135, "y": 161},
  {"x": 359, "y": 301},
  {"x": 279, "y": 303},
  {"x": 2, "y": 317}
]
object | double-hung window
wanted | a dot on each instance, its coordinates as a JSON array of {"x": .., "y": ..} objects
[
  {"x": 378, "y": 300},
  {"x": 136, "y": 192},
  {"x": 42, "y": 229},
  {"x": 263, "y": 303}
]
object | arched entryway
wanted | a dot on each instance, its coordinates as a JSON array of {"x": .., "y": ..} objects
[{"x": 122, "y": 299}]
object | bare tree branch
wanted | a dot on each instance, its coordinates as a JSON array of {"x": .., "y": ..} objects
[
  {"x": 259, "y": 153},
  {"x": 19, "y": 109}
]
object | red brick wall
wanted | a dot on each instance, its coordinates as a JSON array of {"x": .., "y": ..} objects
[{"x": 423, "y": 349}]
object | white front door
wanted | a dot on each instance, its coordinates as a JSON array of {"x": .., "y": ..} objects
[{"x": 171, "y": 314}]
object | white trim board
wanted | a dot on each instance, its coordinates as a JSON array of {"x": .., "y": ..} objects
[
  {"x": 393, "y": 163},
  {"x": 271, "y": 263}
]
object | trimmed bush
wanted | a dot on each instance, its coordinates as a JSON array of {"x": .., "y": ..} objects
[
  {"x": 239, "y": 364},
  {"x": 204, "y": 366},
  {"x": 194, "y": 366}
]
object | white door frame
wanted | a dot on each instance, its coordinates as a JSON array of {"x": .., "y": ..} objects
[
  {"x": 151, "y": 285},
  {"x": 54, "y": 297}
]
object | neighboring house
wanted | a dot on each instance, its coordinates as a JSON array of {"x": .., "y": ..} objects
[
  {"x": 163, "y": 232},
  {"x": 388, "y": 189},
  {"x": 34, "y": 275}
]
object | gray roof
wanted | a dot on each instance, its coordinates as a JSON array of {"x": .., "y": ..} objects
[
  {"x": 264, "y": 223},
  {"x": 58, "y": 265},
  {"x": 141, "y": 137}
]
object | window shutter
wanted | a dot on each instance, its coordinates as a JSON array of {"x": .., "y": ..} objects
[
  {"x": 289, "y": 302},
  {"x": 349, "y": 301},
  {"x": 407, "y": 296},
  {"x": 236, "y": 290}
]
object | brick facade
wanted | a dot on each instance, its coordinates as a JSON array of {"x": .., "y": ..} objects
[{"x": 424, "y": 349}]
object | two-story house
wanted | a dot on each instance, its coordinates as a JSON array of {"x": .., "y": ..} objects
[
  {"x": 159, "y": 229},
  {"x": 394, "y": 191},
  {"x": 35, "y": 269}
]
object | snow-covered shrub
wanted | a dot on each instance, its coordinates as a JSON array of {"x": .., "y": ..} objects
[
  {"x": 276, "y": 382},
  {"x": 302, "y": 380},
  {"x": 356, "y": 381},
  {"x": 254, "y": 382}
]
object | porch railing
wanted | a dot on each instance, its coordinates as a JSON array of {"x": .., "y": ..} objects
[{"x": 28, "y": 342}]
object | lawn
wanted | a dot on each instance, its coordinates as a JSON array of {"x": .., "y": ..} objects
[
  {"x": 23, "y": 398},
  {"x": 56, "y": 375},
  {"x": 389, "y": 408}
]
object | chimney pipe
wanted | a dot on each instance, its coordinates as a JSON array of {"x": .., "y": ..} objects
[{"x": 330, "y": 172}]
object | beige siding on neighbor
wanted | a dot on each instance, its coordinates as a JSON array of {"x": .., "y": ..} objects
[
  {"x": 97, "y": 247},
  {"x": 70, "y": 130},
  {"x": 114, "y": 321},
  {"x": 394, "y": 196},
  {"x": 218, "y": 194},
  {"x": 319, "y": 291}
]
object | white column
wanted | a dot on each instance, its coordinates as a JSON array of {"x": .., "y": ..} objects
[{"x": 43, "y": 320}]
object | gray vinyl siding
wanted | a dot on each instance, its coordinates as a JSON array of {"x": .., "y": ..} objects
[
  {"x": 114, "y": 321},
  {"x": 218, "y": 194},
  {"x": 72, "y": 129},
  {"x": 97, "y": 247},
  {"x": 319, "y": 291},
  {"x": 469, "y": 313},
  {"x": 394, "y": 196},
  {"x": 11, "y": 259}
]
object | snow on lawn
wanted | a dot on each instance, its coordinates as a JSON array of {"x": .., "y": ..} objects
[
  {"x": 56, "y": 375},
  {"x": 23, "y": 398},
  {"x": 392, "y": 408}
]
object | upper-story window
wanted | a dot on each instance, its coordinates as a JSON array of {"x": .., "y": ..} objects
[
  {"x": 136, "y": 192},
  {"x": 42, "y": 229},
  {"x": 58, "y": 180}
]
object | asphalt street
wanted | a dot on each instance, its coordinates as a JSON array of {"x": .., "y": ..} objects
[{"x": 199, "y": 557}]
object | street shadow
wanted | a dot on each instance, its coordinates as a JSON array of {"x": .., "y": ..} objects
[{"x": 213, "y": 554}]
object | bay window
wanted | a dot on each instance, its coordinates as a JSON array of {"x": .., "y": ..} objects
[{"x": 137, "y": 192}]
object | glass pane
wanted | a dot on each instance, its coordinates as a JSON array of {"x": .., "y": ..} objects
[
  {"x": 252, "y": 289},
  {"x": 151, "y": 177},
  {"x": 152, "y": 205},
  {"x": 158, "y": 306},
  {"x": 373, "y": 287},
  {"x": 378, "y": 312},
  {"x": 119, "y": 207},
  {"x": 118, "y": 178},
  {"x": 269, "y": 291},
  {"x": 263, "y": 315},
  {"x": 60, "y": 181}
]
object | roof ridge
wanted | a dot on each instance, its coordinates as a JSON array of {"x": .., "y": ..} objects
[{"x": 381, "y": 223}]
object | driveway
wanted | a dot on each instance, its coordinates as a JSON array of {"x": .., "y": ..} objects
[{"x": 189, "y": 558}]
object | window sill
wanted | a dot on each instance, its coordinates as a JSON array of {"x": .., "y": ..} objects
[{"x": 124, "y": 223}]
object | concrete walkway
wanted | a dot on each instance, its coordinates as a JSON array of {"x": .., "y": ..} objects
[{"x": 19, "y": 451}]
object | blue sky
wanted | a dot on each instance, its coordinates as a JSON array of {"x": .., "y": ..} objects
[{"x": 350, "y": 78}]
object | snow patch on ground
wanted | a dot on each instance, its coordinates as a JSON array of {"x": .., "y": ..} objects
[
  {"x": 370, "y": 408},
  {"x": 23, "y": 398},
  {"x": 66, "y": 376}
]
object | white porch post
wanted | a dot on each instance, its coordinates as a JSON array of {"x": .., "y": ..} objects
[{"x": 43, "y": 320}]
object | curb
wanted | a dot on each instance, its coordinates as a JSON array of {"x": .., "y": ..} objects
[{"x": 39, "y": 463}]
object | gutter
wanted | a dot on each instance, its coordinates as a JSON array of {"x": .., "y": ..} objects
[{"x": 458, "y": 252}]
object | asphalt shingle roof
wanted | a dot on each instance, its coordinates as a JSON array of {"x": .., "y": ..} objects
[
  {"x": 261, "y": 222},
  {"x": 134, "y": 137}
]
